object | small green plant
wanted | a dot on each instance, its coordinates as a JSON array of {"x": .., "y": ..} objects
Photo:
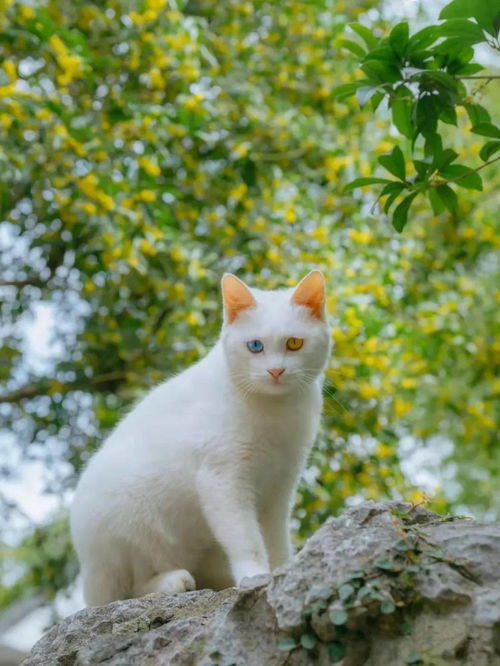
[{"x": 383, "y": 592}]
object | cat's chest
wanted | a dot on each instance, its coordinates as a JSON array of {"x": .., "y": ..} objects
[{"x": 280, "y": 434}]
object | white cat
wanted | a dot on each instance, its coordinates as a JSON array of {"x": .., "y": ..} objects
[{"x": 195, "y": 486}]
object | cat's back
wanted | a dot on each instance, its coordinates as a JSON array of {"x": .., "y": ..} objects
[{"x": 172, "y": 411}]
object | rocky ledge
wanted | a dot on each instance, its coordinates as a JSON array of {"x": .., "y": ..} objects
[{"x": 384, "y": 584}]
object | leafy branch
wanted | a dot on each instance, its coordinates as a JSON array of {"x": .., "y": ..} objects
[{"x": 420, "y": 77}]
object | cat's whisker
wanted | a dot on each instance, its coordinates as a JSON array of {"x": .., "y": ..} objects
[{"x": 328, "y": 392}]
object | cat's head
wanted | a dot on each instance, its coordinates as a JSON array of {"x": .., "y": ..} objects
[{"x": 275, "y": 342}]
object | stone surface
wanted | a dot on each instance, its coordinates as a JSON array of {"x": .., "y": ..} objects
[{"x": 384, "y": 584}]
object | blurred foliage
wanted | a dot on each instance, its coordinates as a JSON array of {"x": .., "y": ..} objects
[{"x": 149, "y": 146}]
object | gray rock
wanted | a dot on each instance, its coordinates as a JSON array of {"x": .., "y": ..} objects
[{"x": 384, "y": 584}]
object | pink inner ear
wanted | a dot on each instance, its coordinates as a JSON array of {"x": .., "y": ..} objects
[
  {"x": 236, "y": 296},
  {"x": 311, "y": 293}
]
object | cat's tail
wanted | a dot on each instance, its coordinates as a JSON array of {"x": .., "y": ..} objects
[{"x": 168, "y": 582}]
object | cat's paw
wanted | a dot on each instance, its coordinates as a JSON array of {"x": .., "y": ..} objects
[
  {"x": 179, "y": 580},
  {"x": 250, "y": 569}
]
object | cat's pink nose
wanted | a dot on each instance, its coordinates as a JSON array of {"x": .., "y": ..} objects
[{"x": 276, "y": 373}]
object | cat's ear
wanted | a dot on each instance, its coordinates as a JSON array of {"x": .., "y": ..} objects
[
  {"x": 311, "y": 292},
  {"x": 236, "y": 297}
]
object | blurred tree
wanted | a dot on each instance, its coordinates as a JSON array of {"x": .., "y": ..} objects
[{"x": 148, "y": 147}]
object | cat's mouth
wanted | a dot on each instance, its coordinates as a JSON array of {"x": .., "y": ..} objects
[{"x": 273, "y": 385}]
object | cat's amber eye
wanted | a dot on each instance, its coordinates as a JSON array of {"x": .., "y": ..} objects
[{"x": 293, "y": 344}]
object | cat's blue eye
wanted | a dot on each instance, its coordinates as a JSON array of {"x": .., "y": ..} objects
[{"x": 255, "y": 346}]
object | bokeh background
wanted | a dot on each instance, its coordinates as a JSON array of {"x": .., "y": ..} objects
[{"x": 146, "y": 148}]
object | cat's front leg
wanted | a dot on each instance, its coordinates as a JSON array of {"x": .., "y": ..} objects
[
  {"x": 229, "y": 508},
  {"x": 276, "y": 531}
]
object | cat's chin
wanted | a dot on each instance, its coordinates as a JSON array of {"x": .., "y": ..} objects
[{"x": 273, "y": 388}]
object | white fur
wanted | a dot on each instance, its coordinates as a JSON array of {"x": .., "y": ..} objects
[{"x": 198, "y": 480}]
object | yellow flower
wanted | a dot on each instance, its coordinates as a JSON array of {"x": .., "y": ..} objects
[
  {"x": 89, "y": 208},
  {"x": 146, "y": 195},
  {"x": 10, "y": 69},
  {"x": 26, "y": 13},
  {"x": 358, "y": 236},
  {"x": 417, "y": 497},
  {"x": 156, "y": 78},
  {"x": 383, "y": 451},
  {"x": 147, "y": 247},
  {"x": 6, "y": 120},
  {"x": 105, "y": 200},
  {"x": 400, "y": 406},
  {"x": 192, "y": 319},
  {"x": 238, "y": 191},
  {"x": 193, "y": 102},
  {"x": 383, "y": 147},
  {"x": 273, "y": 255},
  {"x": 367, "y": 391},
  {"x": 149, "y": 166},
  {"x": 156, "y": 5}
]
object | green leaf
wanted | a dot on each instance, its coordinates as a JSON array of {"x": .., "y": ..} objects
[
  {"x": 448, "y": 115},
  {"x": 468, "y": 70},
  {"x": 399, "y": 220},
  {"x": 336, "y": 651},
  {"x": 441, "y": 82},
  {"x": 394, "y": 162},
  {"x": 435, "y": 201},
  {"x": 406, "y": 628},
  {"x": 308, "y": 641},
  {"x": 448, "y": 197},
  {"x": 444, "y": 158},
  {"x": 467, "y": 31},
  {"x": 486, "y": 13},
  {"x": 382, "y": 52},
  {"x": 351, "y": 46},
  {"x": 487, "y": 129},
  {"x": 433, "y": 146},
  {"x": 345, "y": 591},
  {"x": 413, "y": 658},
  {"x": 287, "y": 644},
  {"x": 401, "y": 116},
  {"x": 338, "y": 617},
  {"x": 456, "y": 9},
  {"x": 426, "y": 113},
  {"x": 398, "y": 38},
  {"x": 381, "y": 71},
  {"x": 387, "y": 607},
  {"x": 376, "y": 99},
  {"x": 462, "y": 176},
  {"x": 365, "y": 33},
  {"x": 477, "y": 114},
  {"x": 393, "y": 186},
  {"x": 346, "y": 90},
  {"x": 422, "y": 167},
  {"x": 383, "y": 562},
  {"x": 360, "y": 182},
  {"x": 489, "y": 149},
  {"x": 390, "y": 200},
  {"x": 423, "y": 38}
]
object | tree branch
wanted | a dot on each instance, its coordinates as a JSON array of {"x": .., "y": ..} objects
[
  {"x": 464, "y": 175},
  {"x": 490, "y": 76},
  {"x": 44, "y": 387},
  {"x": 20, "y": 284}
]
